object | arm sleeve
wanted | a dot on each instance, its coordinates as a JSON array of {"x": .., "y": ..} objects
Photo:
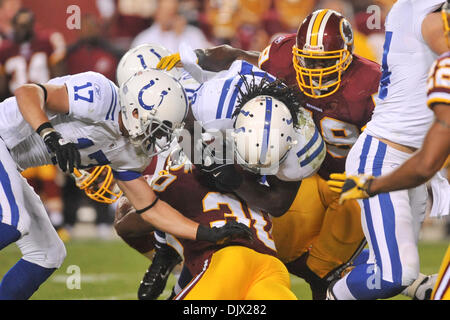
[
  {"x": 126, "y": 175},
  {"x": 92, "y": 97}
]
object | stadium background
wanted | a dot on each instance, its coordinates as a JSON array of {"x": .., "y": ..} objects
[{"x": 106, "y": 30}]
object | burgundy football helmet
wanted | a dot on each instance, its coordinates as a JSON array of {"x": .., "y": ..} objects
[{"x": 322, "y": 53}]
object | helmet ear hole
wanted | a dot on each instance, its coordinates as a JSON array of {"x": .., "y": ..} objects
[{"x": 135, "y": 113}]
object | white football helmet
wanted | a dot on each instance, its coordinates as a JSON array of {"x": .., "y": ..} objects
[
  {"x": 153, "y": 107},
  {"x": 263, "y": 134},
  {"x": 140, "y": 58}
]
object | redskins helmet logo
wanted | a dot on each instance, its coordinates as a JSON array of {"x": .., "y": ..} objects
[{"x": 347, "y": 32}]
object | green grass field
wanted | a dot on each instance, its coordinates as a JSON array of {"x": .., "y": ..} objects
[{"x": 110, "y": 270}]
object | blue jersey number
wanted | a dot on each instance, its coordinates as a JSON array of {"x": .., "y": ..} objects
[
  {"x": 99, "y": 157},
  {"x": 85, "y": 96},
  {"x": 386, "y": 75}
]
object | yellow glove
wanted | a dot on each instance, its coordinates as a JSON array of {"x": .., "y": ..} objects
[
  {"x": 169, "y": 62},
  {"x": 351, "y": 187},
  {"x": 336, "y": 182}
]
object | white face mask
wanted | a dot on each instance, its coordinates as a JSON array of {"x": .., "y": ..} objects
[{"x": 157, "y": 136}]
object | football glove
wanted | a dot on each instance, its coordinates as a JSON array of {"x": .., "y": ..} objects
[
  {"x": 219, "y": 169},
  {"x": 225, "y": 176},
  {"x": 351, "y": 187},
  {"x": 336, "y": 182},
  {"x": 220, "y": 235},
  {"x": 169, "y": 62},
  {"x": 67, "y": 154}
]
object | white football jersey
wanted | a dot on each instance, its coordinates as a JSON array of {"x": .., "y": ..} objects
[
  {"x": 401, "y": 114},
  {"x": 92, "y": 123},
  {"x": 214, "y": 102}
]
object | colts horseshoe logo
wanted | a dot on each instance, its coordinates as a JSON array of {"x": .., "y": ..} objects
[{"x": 141, "y": 93}]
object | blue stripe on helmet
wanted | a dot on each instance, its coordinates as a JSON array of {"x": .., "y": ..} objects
[
  {"x": 313, "y": 155},
  {"x": 309, "y": 144}
]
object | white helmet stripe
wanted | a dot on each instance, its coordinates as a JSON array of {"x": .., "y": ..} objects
[
  {"x": 310, "y": 27},
  {"x": 323, "y": 25}
]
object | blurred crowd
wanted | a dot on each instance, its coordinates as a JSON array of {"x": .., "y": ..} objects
[{"x": 40, "y": 40}]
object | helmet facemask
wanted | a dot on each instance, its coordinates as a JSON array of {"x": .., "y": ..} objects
[
  {"x": 157, "y": 135},
  {"x": 98, "y": 184}
]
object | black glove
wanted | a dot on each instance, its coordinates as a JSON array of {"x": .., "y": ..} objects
[
  {"x": 231, "y": 230},
  {"x": 225, "y": 177},
  {"x": 219, "y": 169},
  {"x": 67, "y": 154}
]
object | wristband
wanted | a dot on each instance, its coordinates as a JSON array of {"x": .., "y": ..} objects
[
  {"x": 141, "y": 211},
  {"x": 45, "y": 91},
  {"x": 44, "y": 129},
  {"x": 368, "y": 185},
  {"x": 203, "y": 233}
]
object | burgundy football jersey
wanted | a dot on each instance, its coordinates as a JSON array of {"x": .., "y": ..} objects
[
  {"x": 439, "y": 82},
  {"x": 186, "y": 190},
  {"x": 30, "y": 61},
  {"x": 341, "y": 116}
]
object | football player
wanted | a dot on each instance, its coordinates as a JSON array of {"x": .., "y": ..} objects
[
  {"x": 214, "y": 102},
  {"x": 151, "y": 244},
  {"x": 252, "y": 131},
  {"x": 391, "y": 220},
  {"x": 256, "y": 272},
  {"x": 317, "y": 236},
  {"x": 426, "y": 162},
  {"x": 31, "y": 55},
  {"x": 83, "y": 121}
]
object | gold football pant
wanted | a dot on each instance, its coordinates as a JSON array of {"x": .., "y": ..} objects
[
  {"x": 240, "y": 273},
  {"x": 316, "y": 222},
  {"x": 441, "y": 290}
]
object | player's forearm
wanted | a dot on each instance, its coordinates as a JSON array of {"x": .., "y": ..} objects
[
  {"x": 30, "y": 100},
  {"x": 421, "y": 167},
  {"x": 157, "y": 212},
  {"x": 405, "y": 177},
  {"x": 221, "y": 57},
  {"x": 165, "y": 218}
]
